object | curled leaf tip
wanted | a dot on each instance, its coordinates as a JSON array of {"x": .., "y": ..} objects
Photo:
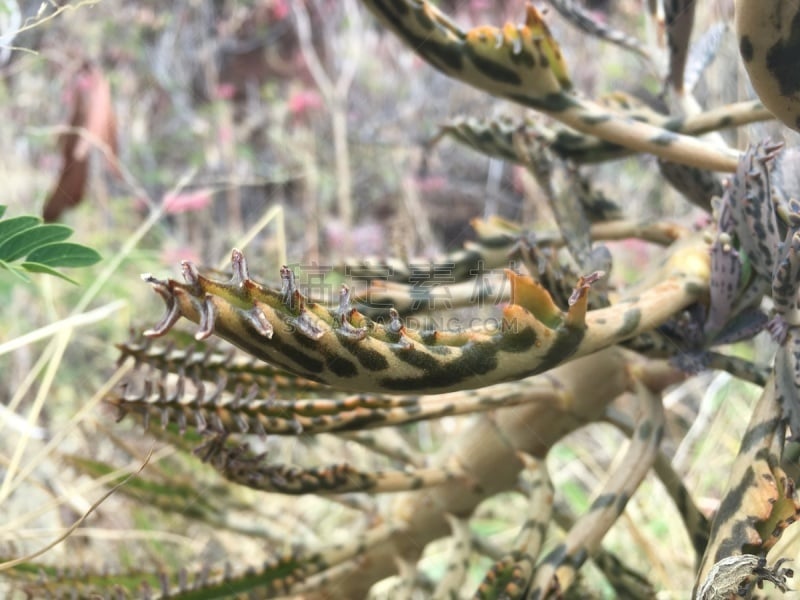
[
  {"x": 579, "y": 299},
  {"x": 771, "y": 150},
  {"x": 288, "y": 286},
  {"x": 395, "y": 323},
  {"x": 344, "y": 300},
  {"x": 309, "y": 325},
  {"x": 345, "y": 310},
  {"x": 173, "y": 313},
  {"x": 162, "y": 288},
  {"x": 258, "y": 320},
  {"x": 190, "y": 272},
  {"x": 167, "y": 321},
  {"x": 778, "y": 328},
  {"x": 583, "y": 285},
  {"x": 208, "y": 316}
]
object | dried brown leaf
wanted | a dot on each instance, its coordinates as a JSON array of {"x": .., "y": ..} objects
[{"x": 92, "y": 111}]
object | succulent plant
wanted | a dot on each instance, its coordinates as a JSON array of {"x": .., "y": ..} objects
[{"x": 562, "y": 345}]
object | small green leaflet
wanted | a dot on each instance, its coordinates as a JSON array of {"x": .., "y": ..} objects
[
  {"x": 40, "y": 268},
  {"x": 40, "y": 247},
  {"x": 64, "y": 254},
  {"x": 11, "y": 226},
  {"x": 27, "y": 240}
]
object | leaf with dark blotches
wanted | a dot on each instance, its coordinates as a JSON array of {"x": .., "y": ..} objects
[
  {"x": 596, "y": 205},
  {"x": 92, "y": 111},
  {"x": 743, "y": 326},
  {"x": 787, "y": 379},
  {"x": 786, "y": 180},
  {"x": 584, "y": 20},
  {"x": 726, "y": 272},
  {"x": 567, "y": 207},
  {"x": 722, "y": 210},
  {"x": 757, "y": 488},
  {"x": 784, "y": 512},
  {"x": 752, "y": 208},
  {"x": 786, "y": 279},
  {"x": 698, "y": 186}
]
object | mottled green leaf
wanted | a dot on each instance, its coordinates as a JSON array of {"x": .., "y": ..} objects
[
  {"x": 64, "y": 254},
  {"x": 23, "y": 242}
]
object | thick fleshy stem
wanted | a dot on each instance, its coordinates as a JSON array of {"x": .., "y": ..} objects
[{"x": 344, "y": 348}]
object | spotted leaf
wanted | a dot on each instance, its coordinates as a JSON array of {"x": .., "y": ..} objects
[
  {"x": 726, "y": 272},
  {"x": 787, "y": 379},
  {"x": 586, "y": 21},
  {"x": 752, "y": 210},
  {"x": 529, "y": 336},
  {"x": 786, "y": 280}
]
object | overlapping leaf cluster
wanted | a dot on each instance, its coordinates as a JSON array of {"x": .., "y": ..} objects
[{"x": 29, "y": 246}]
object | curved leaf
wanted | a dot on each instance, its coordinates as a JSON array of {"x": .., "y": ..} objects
[{"x": 40, "y": 268}]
